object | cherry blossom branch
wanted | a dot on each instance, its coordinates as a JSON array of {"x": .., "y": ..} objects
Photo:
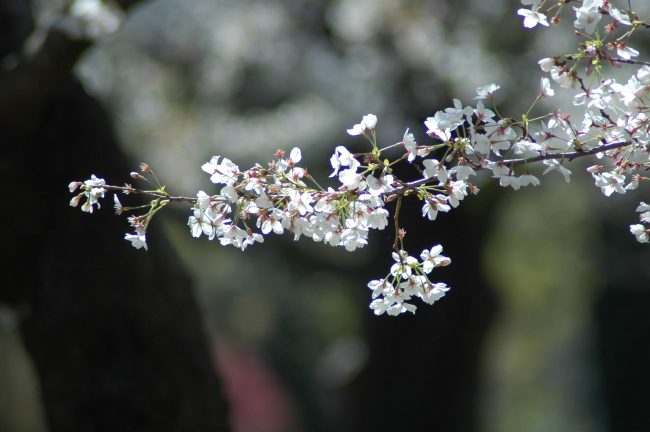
[
  {"x": 276, "y": 199},
  {"x": 566, "y": 156},
  {"x": 412, "y": 186}
]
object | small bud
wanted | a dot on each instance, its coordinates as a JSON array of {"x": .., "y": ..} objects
[
  {"x": 402, "y": 233},
  {"x": 144, "y": 167},
  {"x": 74, "y": 202},
  {"x": 73, "y": 186},
  {"x": 136, "y": 176},
  {"x": 87, "y": 207},
  {"x": 280, "y": 153}
]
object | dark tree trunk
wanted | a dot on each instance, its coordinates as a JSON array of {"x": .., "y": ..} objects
[
  {"x": 115, "y": 334},
  {"x": 623, "y": 325}
]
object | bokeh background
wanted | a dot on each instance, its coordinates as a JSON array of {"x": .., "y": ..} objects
[{"x": 547, "y": 323}]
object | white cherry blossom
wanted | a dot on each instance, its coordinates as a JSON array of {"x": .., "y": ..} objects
[
  {"x": 138, "y": 240},
  {"x": 224, "y": 172},
  {"x": 640, "y": 233},
  {"x": 432, "y": 258},
  {"x": 532, "y": 18},
  {"x": 546, "y": 91},
  {"x": 342, "y": 158},
  {"x": 368, "y": 122},
  {"x": 587, "y": 17},
  {"x": 411, "y": 147}
]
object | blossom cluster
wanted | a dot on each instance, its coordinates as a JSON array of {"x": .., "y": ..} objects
[
  {"x": 92, "y": 190},
  {"x": 407, "y": 279},
  {"x": 276, "y": 199},
  {"x": 465, "y": 140}
]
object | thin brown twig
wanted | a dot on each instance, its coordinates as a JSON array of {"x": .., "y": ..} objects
[
  {"x": 398, "y": 207},
  {"x": 410, "y": 186},
  {"x": 629, "y": 61},
  {"x": 156, "y": 194}
]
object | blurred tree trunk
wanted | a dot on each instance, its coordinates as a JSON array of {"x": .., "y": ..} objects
[
  {"x": 623, "y": 325},
  {"x": 115, "y": 334}
]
